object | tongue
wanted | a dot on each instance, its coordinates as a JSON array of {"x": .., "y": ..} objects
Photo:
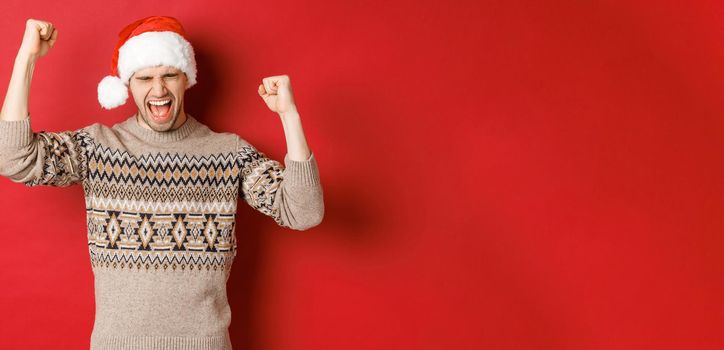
[{"x": 160, "y": 111}]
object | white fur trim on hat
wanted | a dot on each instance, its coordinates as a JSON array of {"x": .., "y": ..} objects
[
  {"x": 112, "y": 92},
  {"x": 151, "y": 49},
  {"x": 145, "y": 50}
]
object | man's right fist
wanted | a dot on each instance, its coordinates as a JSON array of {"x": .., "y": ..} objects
[{"x": 39, "y": 37}]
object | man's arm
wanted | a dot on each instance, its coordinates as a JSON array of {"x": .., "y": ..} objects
[
  {"x": 38, "y": 38},
  {"x": 44, "y": 158},
  {"x": 15, "y": 106},
  {"x": 290, "y": 194}
]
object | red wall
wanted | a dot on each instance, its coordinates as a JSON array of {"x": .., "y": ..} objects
[{"x": 497, "y": 175}]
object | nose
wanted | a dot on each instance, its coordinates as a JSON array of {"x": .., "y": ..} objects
[{"x": 159, "y": 87}]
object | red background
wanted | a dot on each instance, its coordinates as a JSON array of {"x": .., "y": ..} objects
[{"x": 497, "y": 175}]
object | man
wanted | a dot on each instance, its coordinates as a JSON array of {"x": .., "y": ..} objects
[{"x": 160, "y": 187}]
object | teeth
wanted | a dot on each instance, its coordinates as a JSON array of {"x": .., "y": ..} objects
[{"x": 159, "y": 103}]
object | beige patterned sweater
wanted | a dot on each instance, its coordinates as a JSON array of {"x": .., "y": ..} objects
[{"x": 161, "y": 210}]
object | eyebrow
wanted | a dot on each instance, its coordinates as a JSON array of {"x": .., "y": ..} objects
[{"x": 148, "y": 76}]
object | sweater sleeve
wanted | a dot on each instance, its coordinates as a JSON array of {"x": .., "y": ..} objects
[
  {"x": 43, "y": 158},
  {"x": 290, "y": 194}
]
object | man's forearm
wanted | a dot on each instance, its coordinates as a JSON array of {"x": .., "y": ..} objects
[
  {"x": 15, "y": 106},
  {"x": 297, "y": 147}
]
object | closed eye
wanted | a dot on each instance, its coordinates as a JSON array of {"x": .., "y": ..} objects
[{"x": 169, "y": 75}]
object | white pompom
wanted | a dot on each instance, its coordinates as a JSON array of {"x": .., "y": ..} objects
[{"x": 112, "y": 92}]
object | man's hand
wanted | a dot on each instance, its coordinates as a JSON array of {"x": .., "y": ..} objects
[
  {"x": 276, "y": 91},
  {"x": 39, "y": 37}
]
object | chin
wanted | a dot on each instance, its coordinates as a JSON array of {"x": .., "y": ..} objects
[{"x": 160, "y": 126}]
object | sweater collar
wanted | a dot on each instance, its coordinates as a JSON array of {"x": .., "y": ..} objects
[{"x": 149, "y": 135}]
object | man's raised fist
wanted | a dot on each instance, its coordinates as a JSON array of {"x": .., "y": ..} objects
[{"x": 39, "y": 37}]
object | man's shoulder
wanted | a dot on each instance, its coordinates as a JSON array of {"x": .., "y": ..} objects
[
  {"x": 99, "y": 130},
  {"x": 223, "y": 139},
  {"x": 95, "y": 127},
  {"x": 243, "y": 145}
]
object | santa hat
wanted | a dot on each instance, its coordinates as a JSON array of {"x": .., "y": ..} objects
[{"x": 147, "y": 42}]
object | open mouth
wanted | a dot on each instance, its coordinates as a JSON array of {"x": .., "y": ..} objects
[{"x": 160, "y": 109}]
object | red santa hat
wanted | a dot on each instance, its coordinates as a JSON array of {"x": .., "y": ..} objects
[{"x": 147, "y": 42}]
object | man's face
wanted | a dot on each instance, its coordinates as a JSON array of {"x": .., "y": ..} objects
[{"x": 159, "y": 96}]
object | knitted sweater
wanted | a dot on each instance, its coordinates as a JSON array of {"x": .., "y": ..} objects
[{"x": 161, "y": 210}]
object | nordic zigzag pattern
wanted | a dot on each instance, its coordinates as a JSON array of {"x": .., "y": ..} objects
[{"x": 162, "y": 211}]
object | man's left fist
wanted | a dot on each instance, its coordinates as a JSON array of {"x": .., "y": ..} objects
[{"x": 277, "y": 93}]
